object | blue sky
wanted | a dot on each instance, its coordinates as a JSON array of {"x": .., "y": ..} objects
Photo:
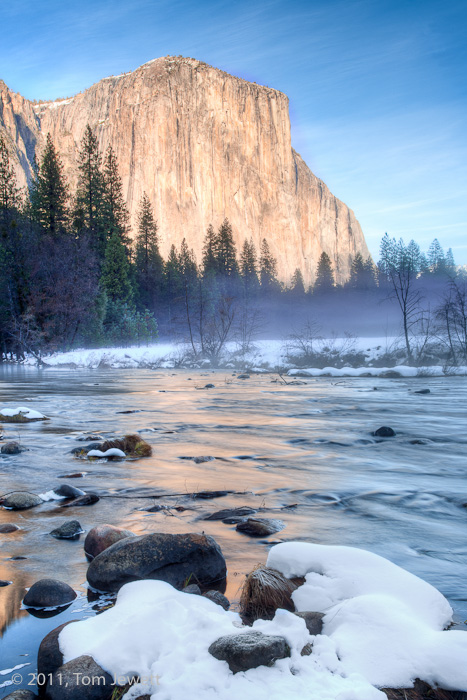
[{"x": 377, "y": 88}]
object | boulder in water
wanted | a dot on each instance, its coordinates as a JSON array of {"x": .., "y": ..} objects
[
  {"x": 6, "y": 528},
  {"x": 102, "y": 537},
  {"x": 49, "y": 592},
  {"x": 87, "y": 500},
  {"x": 66, "y": 491},
  {"x": 21, "y": 500},
  {"x": 163, "y": 557},
  {"x": 12, "y": 448},
  {"x": 70, "y": 530},
  {"x": 384, "y": 432},
  {"x": 260, "y": 527}
]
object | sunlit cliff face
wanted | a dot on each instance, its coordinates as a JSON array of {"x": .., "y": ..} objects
[{"x": 203, "y": 145}]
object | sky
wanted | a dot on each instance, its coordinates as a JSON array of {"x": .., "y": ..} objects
[{"x": 377, "y": 88}]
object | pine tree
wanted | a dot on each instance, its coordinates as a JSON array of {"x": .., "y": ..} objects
[
  {"x": 226, "y": 256},
  {"x": 249, "y": 266},
  {"x": 148, "y": 260},
  {"x": 9, "y": 192},
  {"x": 172, "y": 276},
  {"x": 89, "y": 204},
  {"x": 187, "y": 265},
  {"x": 324, "y": 275},
  {"x": 115, "y": 277},
  {"x": 210, "y": 252},
  {"x": 357, "y": 272},
  {"x": 49, "y": 193},
  {"x": 450, "y": 264},
  {"x": 297, "y": 284},
  {"x": 268, "y": 269},
  {"x": 436, "y": 259},
  {"x": 116, "y": 215}
]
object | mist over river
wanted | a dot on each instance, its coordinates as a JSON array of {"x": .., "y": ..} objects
[{"x": 301, "y": 453}]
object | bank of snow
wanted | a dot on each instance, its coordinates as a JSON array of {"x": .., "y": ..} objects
[{"x": 383, "y": 627}]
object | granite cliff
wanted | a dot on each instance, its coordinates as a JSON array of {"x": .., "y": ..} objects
[{"x": 204, "y": 145}]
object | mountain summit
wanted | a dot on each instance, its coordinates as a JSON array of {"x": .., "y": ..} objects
[{"x": 204, "y": 145}]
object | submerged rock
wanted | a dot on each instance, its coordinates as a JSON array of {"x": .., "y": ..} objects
[
  {"x": 91, "y": 437},
  {"x": 3, "y": 583},
  {"x": 423, "y": 391},
  {"x": 172, "y": 558},
  {"x": 12, "y": 448},
  {"x": 21, "y": 500},
  {"x": 49, "y": 592},
  {"x": 260, "y": 527},
  {"x": 102, "y": 537},
  {"x": 384, "y": 432},
  {"x": 21, "y": 694},
  {"x": 240, "y": 512},
  {"x": 249, "y": 650},
  {"x": 87, "y": 500},
  {"x": 79, "y": 679},
  {"x": 243, "y": 376},
  {"x": 69, "y": 530},
  {"x": 6, "y": 528}
]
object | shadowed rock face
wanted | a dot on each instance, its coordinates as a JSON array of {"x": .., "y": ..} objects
[{"x": 203, "y": 145}]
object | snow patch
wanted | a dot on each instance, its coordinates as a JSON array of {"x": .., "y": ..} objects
[
  {"x": 23, "y": 410},
  {"x": 112, "y": 452},
  {"x": 383, "y": 627}
]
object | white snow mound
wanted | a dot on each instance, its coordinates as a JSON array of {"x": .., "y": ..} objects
[
  {"x": 386, "y": 623},
  {"x": 383, "y": 627},
  {"x": 112, "y": 452},
  {"x": 24, "y": 410}
]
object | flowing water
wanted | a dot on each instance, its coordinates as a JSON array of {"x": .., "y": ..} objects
[{"x": 303, "y": 454}]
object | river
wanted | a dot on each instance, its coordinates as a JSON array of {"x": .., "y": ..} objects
[{"x": 303, "y": 453}]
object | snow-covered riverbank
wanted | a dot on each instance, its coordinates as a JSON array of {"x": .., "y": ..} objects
[{"x": 337, "y": 357}]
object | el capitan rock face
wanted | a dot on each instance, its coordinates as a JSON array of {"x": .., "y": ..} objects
[{"x": 203, "y": 145}]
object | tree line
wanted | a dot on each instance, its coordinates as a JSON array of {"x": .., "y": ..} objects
[{"x": 72, "y": 275}]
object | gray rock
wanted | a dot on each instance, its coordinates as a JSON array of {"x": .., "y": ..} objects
[
  {"x": 193, "y": 589},
  {"x": 87, "y": 500},
  {"x": 313, "y": 621},
  {"x": 201, "y": 460},
  {"x": 384, "y": 432},
  {"x": 21, "y": 694},
  {"x": 66, "y": 491},
  {"x": 307, "y": 650},
  {"x": 12, "y": 448},
  {"x": 249, "y": 650},
  {"x": 49, "y": 656},
  {"x": 243, "y": 376},
  {"x": 87, "y": 438},
  {"x": 69, "y": 530},
  {"x": 423, "y": 391},
  {"x": 260, "y": 527},
  {"x": 6, "y": 528},
  {"x": 4, "y": 584},
  {"x": 218, "y": 598},
  {"x": 209, "y": 386},
  {"x": 163, "y": 557},
  {"x": 227, "y": 513},
  {"x": 21, "y": 500},
  {"x": 102, "y": 537},
  {"x": 80, "y": 679},
  {"x": 49, "y": 592}
]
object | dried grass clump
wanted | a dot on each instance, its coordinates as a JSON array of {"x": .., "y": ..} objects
[
  {"x": 131, "y": 445},
  {"x": 423, "y": 691},
  {"x": 18, "y": 418},
  {"x": 264, "y": 591}
]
